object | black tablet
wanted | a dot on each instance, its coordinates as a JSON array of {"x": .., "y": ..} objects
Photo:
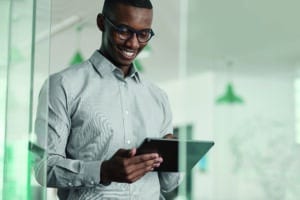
[{"x": 168, "y": 149}]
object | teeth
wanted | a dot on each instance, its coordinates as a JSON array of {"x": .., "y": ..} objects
[{"x": 128, "y": 53}]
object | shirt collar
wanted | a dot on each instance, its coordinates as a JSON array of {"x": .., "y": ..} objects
[{"x": 105, "y": 67}]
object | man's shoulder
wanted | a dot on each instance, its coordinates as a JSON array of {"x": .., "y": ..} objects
[
  {"x": 153, "y": 87},
  {"x": 77, "y": 71}
]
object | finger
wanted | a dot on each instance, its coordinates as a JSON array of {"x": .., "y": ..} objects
[
  {"x": 142, "y": 158},
  {"x": 170, "y": 136},
  {"x": 134, "y": 171},
  {"x": 138, "y": 173},
  {"x": 145, "y": 166},
  {"x": 158, "y": 162},
  {"x": 132, "y": 152}
]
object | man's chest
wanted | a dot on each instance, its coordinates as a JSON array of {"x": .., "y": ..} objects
[{"x": 121, "y": 116}]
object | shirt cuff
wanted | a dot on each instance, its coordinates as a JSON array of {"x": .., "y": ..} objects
[{"x": 91, "y": 173}]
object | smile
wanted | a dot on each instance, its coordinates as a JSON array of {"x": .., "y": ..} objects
[{"x": 127, "y": 53}]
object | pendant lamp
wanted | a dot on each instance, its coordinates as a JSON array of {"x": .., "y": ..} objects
[
  {"x": 144, "y": 54},
  {"x": 16, "y": 55},
  {"x": 138, "y": 65},
  {"x": 77, "y": 57},
  {"x": 229, "y": 96}
]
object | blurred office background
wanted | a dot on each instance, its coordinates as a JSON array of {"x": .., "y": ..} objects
[{"x": 231, "y": 69}]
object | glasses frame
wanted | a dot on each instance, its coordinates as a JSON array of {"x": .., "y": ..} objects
[{"x": 119, "y": 29}]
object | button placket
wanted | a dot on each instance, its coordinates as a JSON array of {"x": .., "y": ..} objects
[{"x": 126, "y": 112}]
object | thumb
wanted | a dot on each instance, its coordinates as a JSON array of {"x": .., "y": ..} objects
[
  {"x": 132, "y": 152},
  {"x": 124, "y": 153}
]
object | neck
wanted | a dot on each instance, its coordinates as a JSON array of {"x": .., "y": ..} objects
[{"x": 125, "y": 70}]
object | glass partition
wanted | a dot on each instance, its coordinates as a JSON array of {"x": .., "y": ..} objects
[
  {"x": 24, "y": 63},
  {"x": 4, "y": 30},
  {"x": 238, "y": 88},
  {"x": 229, "y": 69}
]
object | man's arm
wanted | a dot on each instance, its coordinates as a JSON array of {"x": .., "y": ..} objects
[{"x": 52, "y": 128}]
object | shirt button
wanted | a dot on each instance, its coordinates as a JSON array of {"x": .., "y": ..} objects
[
  {"x": 128, "y": 141},
  {"x": 70, "y": 184},
  {"x": 127, "y": 112}
]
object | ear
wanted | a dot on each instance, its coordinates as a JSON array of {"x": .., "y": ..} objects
[{"x": 100, "y": 22}]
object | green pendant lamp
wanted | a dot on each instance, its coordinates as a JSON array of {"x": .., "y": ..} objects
[
  {"x": 138, "y": 65},
  {"x": 16, "y": 56},
  {"x": 77, "y": 57},
  {"x": 229, "y": 97},
  {"x": 144, "y": 54}
]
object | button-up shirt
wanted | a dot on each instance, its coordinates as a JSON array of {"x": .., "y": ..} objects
[{"x": 89, "y": 111}]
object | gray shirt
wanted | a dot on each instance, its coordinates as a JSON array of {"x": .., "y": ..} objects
[{"x": 93, "y": 110}]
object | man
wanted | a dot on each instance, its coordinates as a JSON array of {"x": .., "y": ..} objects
[{"x": 101, "y": 110}]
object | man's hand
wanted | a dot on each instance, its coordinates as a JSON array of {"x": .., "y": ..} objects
[
  {"x": 126, "y": 167},
  {"x": 170, "y": 136}
]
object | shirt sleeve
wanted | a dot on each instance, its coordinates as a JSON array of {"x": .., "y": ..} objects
[
  {"x": 168, "y": 180},
  {"x": 166, "y": 126},
  {"x": 52, "y": 127}
]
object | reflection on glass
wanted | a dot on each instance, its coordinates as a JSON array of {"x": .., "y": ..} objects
[
  {"x": 297, "y": 109},
  {"x": 17, "y": 88}
]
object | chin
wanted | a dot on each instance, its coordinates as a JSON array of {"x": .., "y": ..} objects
[{"x": 122, "y": 62}]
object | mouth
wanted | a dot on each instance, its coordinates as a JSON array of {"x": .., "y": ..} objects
[{"x": 128, "y": 54}]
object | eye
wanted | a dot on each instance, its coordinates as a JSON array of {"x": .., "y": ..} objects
[
  {"x": 144, "y": 34},
  {"x": 123, "y": 30}
]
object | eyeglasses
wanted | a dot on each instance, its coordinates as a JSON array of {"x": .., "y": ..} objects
[{"x": 124, "y": 32}]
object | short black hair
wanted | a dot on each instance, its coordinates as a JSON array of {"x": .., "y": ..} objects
[{"x": 109, "y": 5}]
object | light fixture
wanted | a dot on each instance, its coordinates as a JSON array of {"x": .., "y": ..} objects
[
  {"x": 77, "y": 57},
  {"x": 138, "y": 65},
  {"x": 144, "y": 54},
  {"x": 229, "y": 96},
  {"x": 16, "y": 55}
]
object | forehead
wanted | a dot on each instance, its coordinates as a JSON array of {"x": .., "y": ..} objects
[{"x": 134, "y": 17}]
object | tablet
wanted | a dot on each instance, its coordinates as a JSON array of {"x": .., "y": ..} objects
[{"x": 168, "y": 149}]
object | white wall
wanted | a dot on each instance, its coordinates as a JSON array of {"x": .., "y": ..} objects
[{"x": 255, "y": 154}]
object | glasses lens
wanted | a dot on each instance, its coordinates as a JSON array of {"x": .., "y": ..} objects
[
  {"x": 144, "y": 36},
  {"x": 123, "y": 32}
]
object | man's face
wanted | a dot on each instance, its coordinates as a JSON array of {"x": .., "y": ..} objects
[{"x": 123, "y": 52}]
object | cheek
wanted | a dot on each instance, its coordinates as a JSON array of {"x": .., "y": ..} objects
[{"x": 113, "y": 43}]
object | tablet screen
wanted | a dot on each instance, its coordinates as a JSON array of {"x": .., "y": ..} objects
[{"x": 168, "y": 149}]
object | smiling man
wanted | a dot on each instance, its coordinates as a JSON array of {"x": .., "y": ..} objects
[
  {"x": 126, "y": 31},
  {"x": 99, "y": 111}
]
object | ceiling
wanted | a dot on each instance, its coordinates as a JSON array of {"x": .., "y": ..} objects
[{"x": 253, "y": 35}]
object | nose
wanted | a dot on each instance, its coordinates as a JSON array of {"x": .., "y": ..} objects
[{"x": 133, "y": 42}]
